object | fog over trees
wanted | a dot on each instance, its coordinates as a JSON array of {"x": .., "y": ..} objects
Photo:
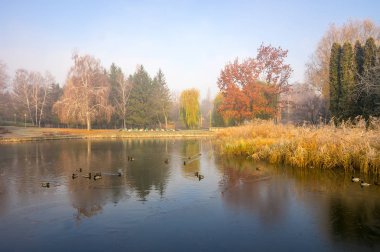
[{"x": 341, "y": 82}]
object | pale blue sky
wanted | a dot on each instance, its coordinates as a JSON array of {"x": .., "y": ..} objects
[{"x": 190, "y": 41}]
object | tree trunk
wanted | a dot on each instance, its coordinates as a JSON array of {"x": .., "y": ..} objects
[
  {"x": 166, "y": 122},
  {"x": 88, "y": 120}
]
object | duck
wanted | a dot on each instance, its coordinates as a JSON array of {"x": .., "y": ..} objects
[
  {"x": 131, "y": 158},
  {"x": 45, "y": 184},
  {"x": 166, "y": 161},
  {"x": 364, "y": 183},
  {"x": 119, "y": 172},
  {"x": 97, "y": 176},
  {"x": 353, "y": 179},
  {"x": 258, "y": 169},
  {"x": 87, "y": 176},
  {"x": 184, "y": 162},
  {"x": 74, "y": 176},
  {"x": 199, "y": 176},
  {"x": 80, "y": 169}
]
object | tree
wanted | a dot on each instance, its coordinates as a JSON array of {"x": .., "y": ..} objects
[
  {"x": 3, "y": 77},
  {"x": 317, "y": 69},
  {"x": 305, "y": 104},
  {"x": 369, "y": 54},
  {"x": 189, "y": 108},
  {"x": 140, "y": 111},
  {"x": 369, "y": 91},
  {"x": 206, "y": 108},
  {"x": 217, "y": 117},
  {"x": 347, "y": 73},
  {"x": 252, "y": 88},
  {"x": 55, "y": 94},
  {"x": 3, "y": 82},
  {"x": 85, "y": 94},
  {"x": 120, "y": 92},
  {"x": 334, "y": 76},
  {"x": 30, "y": 93},
  {"x": 161, "y": 97}
]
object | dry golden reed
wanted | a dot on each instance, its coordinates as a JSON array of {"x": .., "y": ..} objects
[{"x": 349, "y": 146}]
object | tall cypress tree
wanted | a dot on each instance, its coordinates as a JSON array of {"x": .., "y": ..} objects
[
  {"x": 347, "y": 81},
  {"x": 359, "y": 59},
  {"x": 334, "y": 76},
  {"x": 369, "y": 53}
]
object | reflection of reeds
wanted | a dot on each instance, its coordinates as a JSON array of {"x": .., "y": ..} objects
[{"x": 324, "y": 146}]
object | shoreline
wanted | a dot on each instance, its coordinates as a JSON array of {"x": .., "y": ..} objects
[{"x": 19, "y": 135}]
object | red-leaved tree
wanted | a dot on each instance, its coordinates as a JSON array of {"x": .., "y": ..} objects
[{"x": 252, "y": 88}]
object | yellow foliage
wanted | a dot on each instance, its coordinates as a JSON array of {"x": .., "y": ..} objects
[{"x": 347, "y": 147}]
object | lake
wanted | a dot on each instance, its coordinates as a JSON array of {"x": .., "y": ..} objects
[{"x": 159, "y": 204}]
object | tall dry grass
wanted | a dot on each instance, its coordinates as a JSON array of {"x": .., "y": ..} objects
[{"x": 349, "y": 146}]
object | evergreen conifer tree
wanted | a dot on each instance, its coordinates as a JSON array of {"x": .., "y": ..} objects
[
  {"x": 334, "y": 78},
  {"x": 347, "y": 81}
]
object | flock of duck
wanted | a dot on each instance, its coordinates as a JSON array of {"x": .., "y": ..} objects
[
  {"x": 98, "y": 175},
  {"x": 362, "y": 183}
]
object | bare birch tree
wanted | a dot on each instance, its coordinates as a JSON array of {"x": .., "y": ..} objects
[
  {"x": 30, "y": 93},
  {"x": 85, "y": 95},
  {"x": 120, "y": 91}
]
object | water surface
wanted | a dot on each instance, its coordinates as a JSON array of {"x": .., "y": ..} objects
[{"x": 162, "y": 206}]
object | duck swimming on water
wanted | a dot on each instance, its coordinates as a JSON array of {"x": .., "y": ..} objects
[
  {"x": 87, "y": 176},
  {"x": 74, "y": 176},
  {"x": 45, "y": 184},
  {"x": 97, "y": 176},
  {"x": 364, "y": 184},
  {"x": 353, "y": 179}
]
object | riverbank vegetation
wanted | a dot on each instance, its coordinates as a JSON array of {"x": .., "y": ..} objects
[{"x": 349, "y": 146}]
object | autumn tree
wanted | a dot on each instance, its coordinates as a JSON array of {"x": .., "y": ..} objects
[
  {"x": 252, "y": 88},
  {"x": 85, "y": 94},
  {"x": 317, "y": 69},
  {"x": 30, "y": 93},
  {"x": 161, "y": 98},
  {"x": 189, "y": 108},
  {"x": 120, "y": 92}
]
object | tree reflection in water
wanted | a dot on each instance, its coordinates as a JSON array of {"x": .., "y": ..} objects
[{"x": 346, "y": 212}]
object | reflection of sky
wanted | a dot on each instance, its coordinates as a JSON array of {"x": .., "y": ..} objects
[{"x": 235, "y": 207}]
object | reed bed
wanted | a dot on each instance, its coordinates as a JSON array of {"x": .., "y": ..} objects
[{"x": 350, "y": 146}]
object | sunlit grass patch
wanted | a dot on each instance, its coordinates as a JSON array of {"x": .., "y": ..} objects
[{"x": 349, "y": 146}]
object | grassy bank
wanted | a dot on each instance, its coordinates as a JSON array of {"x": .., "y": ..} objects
[
  {"x": 325, "y": 146},
  {"x": 20, "y": 134}
]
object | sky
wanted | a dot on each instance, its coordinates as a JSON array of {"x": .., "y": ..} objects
[{"x": 190, "y": 41}]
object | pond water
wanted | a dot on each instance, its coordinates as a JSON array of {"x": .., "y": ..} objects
[{"x": 162, "y": 206}]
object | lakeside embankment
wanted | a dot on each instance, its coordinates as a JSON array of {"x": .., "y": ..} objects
[
  {"x": 349, "y": 147},
  {"x": 9, "y": 134}
]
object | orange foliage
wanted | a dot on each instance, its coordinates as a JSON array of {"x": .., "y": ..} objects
[{"x": 251, "y": 88}]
